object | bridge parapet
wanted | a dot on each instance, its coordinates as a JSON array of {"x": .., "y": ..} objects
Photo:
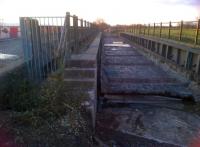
[{"x": 181, "y": 57}]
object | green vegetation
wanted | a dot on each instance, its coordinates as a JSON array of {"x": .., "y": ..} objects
[
  {"x": 188, "y": 35},
  {"x": 17, "y": 93},
  {"x": 45, "y": 115}
]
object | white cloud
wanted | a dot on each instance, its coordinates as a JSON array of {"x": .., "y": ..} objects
[{"x": 113, "y": 11}]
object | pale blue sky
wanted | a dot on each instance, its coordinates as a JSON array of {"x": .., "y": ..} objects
[{"x": 112, "y": 11}]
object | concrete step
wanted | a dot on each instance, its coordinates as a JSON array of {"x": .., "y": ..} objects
[
  {"x": 150, "y": 100},
  {"x": 80, "y": 84},
  {"x": 81, "y": 63},
  {"x": 166, "y": 89},
  {"x": 79, "y": 73}
]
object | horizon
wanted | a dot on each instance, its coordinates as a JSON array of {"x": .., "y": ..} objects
[{"x": 113, "y": 12}]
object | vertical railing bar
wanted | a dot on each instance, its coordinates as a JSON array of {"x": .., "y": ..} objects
[
  {"x": 34, "y": 47},
  {"x": 54, "y": 43},
  {"x": 169, "y": 33},
  {"x": 197, "y": 32},
  {"x": 34, "y": 68},
  {"x": 160, "y": 30},
  {"x": 148, "y": 28},
  {"x": 134, "y": 29},
  {"x": 29, "y": 51},
  {"x": 38, "y": 49},
  {"x": 57, "y": 42},
  {"x": 45, "y": 38},
  {"x": 23, "y": 22},
  {"x": 50, "y": 43},
  {"x": 41, "y": 46},
  {"x": 181, "y": 30}
]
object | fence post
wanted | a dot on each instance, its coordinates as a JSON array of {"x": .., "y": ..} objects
[
  {"x": 75, "y": 29},
  {"x": 144, "y": 29},
  {"x": 197, "y": 32},
  {"x": 169, "y": 33},
  {"x": 160, "y": 30},
  {"x": 181, "y": 30},
  {"x": 88, "y": 27},
  {"x": 135, "y": 29},
  {"x": 64, "y": 42},
  {"x": 132, "y": 28},
  {"x": 148, "y": 28},
  {"x": 139, "y": 29},
  {"x": 81, "y": 28},
  {"x": 154, "y": 25}
]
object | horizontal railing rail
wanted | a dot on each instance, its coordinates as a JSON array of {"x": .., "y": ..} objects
[{"x": 184, "y": 31}]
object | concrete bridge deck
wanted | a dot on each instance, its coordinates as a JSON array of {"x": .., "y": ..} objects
[
  {"x": 126, "y": 71},
  {"x": 141, "y": 102}
]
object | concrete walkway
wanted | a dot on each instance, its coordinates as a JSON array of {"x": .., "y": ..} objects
[
  {"x": 141, "y": 103},
  {"x": 126, "y": 71}
]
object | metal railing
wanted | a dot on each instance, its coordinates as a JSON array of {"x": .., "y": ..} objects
[
  {"x": 49, "y": 41},
  {"x": 184, "y": 31}
]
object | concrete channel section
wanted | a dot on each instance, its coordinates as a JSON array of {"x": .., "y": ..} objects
[{"x": 140, "y": 103}]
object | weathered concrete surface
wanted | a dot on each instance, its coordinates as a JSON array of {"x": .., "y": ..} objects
[
  {"x": 125, "y": 70},
  {"x": 147, "y": 126},
  {"x": 142, "y": 104},
  {"x": 175, "y": 59},
  {"x": 81, "y": 75}
]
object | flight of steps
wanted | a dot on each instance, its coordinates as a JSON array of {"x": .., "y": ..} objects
[{"x": 80, "y": 76}]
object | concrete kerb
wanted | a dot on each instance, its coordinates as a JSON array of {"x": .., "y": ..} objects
[{"x": 88, "y": 62}]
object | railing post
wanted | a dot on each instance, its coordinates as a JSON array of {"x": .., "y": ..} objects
[
  {"x": 160, "y": 35},
  {"x": 169, "y": 33},
  {"x": 132, "y": 28},
  {"x": 154, "y": 25},
  {"x": 81, "y": 29},
  {"x": 197, "y": 32},
  {"x": 67, "y": 25},
  {"x": 148, "y": 28},
  {"x": 65, "y": 41},
  {"x": 144, "y": 29},
  {"x": 81, "y": 23},
  {"x": 181, "y": 30},
  {"x": 88, "y": 26},
  {"x": 85, "y": 31},
  {"x": 75, "y": 29}
]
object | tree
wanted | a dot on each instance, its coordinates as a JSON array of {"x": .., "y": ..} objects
[{"x": 101, "y": 24}]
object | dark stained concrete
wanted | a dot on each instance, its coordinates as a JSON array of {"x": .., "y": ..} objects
[
  {"x": 141, "y": 103},
  {"x": 125, "y": 70}
]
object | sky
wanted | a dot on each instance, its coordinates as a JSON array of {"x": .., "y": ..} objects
[{"x": 112, "y": 11}]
